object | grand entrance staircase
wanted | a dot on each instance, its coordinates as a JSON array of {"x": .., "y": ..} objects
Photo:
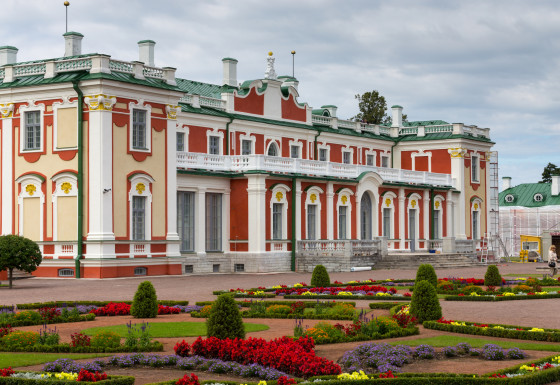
[{"x": 409, "y": 260}]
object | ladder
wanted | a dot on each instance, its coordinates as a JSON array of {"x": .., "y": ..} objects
[
  {"x": 502, "y": 246},
  {"x": 484, "y": 250}
]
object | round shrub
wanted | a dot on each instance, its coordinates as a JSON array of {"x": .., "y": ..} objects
[
  {"x": 320, "y": 277},
  {"x": 425, "y": 304},
  {"x": 224, "y": 320},
  {"x": 20, "y": 339},
  {"x": 381, "y": 325},
  {"x": 472, "y": 289},
  {"x": 492, "y": 276},
  {"x": 106, "y": 339},
  {"x": 145, "y": 303},
  {"x": 342, "y": 309},
  {"x": 278, "y": 310},
  {"x": 426, "y": 272}
]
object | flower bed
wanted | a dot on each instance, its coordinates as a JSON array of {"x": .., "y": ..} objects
[
  {"x": 43, "y": 316},
  {"x": 335, "y": 290},
  {"x": 495, "y": 330},
  {"x": 508, "y": 296},
  {"x": 295, "y": 357},
  {"x": 72, "y": 304},
  {"x": 385, "y": 305},
  {"x": 122, "y": 308},
  {"x": 63, "y": 378}
]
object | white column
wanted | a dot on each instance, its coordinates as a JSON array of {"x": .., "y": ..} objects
[
  {"x": 359, "y": 218},
  {"x": 7, "y": 174},
  {"x": 458, "y": 173},
  {"x": 330, "y": 209},
  {"x": 200, "y": 218},
  {"x": 100, "y": 164},
  {"x": 173, "y": 248},
  {"x": 449, "y": 205},
  {"x": 426, "y": 216},
  {"x": 298, "y": 213},
  {"x": 402, "y": 235},
  {"x": 256, "y": 194},
  {"x": 226, "y": 213}
]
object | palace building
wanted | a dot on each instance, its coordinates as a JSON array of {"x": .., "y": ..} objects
[{"x": 119, "y": 168}]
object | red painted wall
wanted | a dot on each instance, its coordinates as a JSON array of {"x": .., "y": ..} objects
[
  {"x": 239, "y": 211},
  {"x": 291, "y": 110},
  {"x": 251, "y": 103}
]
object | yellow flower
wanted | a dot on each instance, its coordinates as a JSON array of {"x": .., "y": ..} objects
[
  {"x": 508, "y": 294},
  {"x": 344, "y": 293},
  {"x": 308, "y": 293},
  {"x": 498, "y": 327},
  {"x": 275, "y": 287},
  {"x": 259, "y": 292},
  {"x": 536, "y": 330},
  {"x": 354, "y": 376},
  {"x": 473, "y": 294},
  {"x": 298, "y": 285},
  {"x": 380, "y": 294},
  {"x": 352, "y": 282}
]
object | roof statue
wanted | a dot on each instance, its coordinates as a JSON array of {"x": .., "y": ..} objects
[{"x": 270, "y": 73}]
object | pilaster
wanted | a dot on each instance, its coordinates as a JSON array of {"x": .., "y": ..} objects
[
  {"x": 330, "y": 210},
  {"x": 173, "y": 248},
  {"x": 449, "y": 212},
  {"x": 458, "y": 173},
  {"x": 426, "y": 215},
  {"x": 6, "y": 111},
  {"x": 402, "y": 234},
  {"x": 298, "y": 212},
  {"x": 200, "y": 213},
  {"x": 256, "y": 194}
]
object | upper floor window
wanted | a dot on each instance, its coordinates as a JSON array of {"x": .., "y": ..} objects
[
  {"x": 273, "y": 149},
  {"x": 475, "y": 168},
  {"x": 323, "y": 154},
  {"x": 214, "y": 145},
  {"x": 180, "y": 141},
  {"x": 347, "y": 157},
  {"x": 294, "y": 152},
  {"x": 246, "y": 147},
  {"x": 139, "y": 129},
  {"x": 32, "y": 130},
  {"x": 370, "y": 160},
  {"x": 384, "y": 161}
]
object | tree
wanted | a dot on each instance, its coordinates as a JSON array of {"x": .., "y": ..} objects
[
  {"x": 320, "y": 277},
  {"x": 549, "y": 170},
  {"x": 492, "y": 276},
  {"x": 224, "y": 320},
  {"x": 18, "y": 253},
  {"x": 145, "y": 303},
  {"x": 373, "y": 109},
  {"x": 426, "y": 272},
  {"x": 424, "y": 304}
]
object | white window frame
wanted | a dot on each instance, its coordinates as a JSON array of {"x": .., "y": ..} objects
[
  {"x": 279, "y": 195},
  {"x": 223, "y": 220},
  {"x": 25, "y": 181},
  {"x": 278, "y": 148},
  {"x": 316, "y": 192},
  {"x": 325, "y": 147},
  {"x": 141, "y": 185},
  {"x": 344, "y": 200},
  {"x": 23, "y": 110},
  {"x": 372, "y": 154},
  {"x": 148, "y": 109},
  {"x": 180, "y": 134},
  {"x": 350, "y": 150},
  {"x": 388, "y": 203},
  {"x": 220, "y": 134},
  {"x": 476, "y": 207},
  {"x": 56, "y": 107},
  {"x": 60, "y": 180},
  {"x": 421, "y": 153},
  {"x": 250, "y": 138},
  {"x": 194, "y": 214},
  {"x": 438, "y": 206},
  {"x": 475, "y": 168},
  {"x": 414, "y": 204},
  {"x": 387, "y": 158},
  {"x": 295, "y": 143}
]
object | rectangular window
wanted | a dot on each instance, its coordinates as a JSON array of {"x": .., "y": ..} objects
[
  {"x": 311, "y": 221},
  {"x": 139, "y": 129},
  {"x": 246, "y": 147},
  {"x": 185, "y": 219},
  {"x": 214, "y": 145},
  {"x": 475, "y": 225},
  {"x": 323, "y": 154},
  {"x": 474, "y": 168},
  {"x": 138, "y": 218},
  {"x": 436, "y": 224},
  {"x": 180, "y": 141},
  {"x": 32, "y": 130},
  {"x": 342, "y": 222},
  {"x": 277, "y": 220},
  {"x": 369, "y": 160},
  {"x": 384, "y": 161},
  {"x": 213, "y": 222},
  {"x": 387, "y": 223},
  {"x": 347, "y": 157},
  {"x": 294, "y": 152}
]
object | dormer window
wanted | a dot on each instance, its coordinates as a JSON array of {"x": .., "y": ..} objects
[
  {"x": 509, "y": 198},
  {"x": 538, "y": 197}
]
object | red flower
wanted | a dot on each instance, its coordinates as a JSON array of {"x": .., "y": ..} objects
[
  {"x": 186, "y": 380},
  {"x": 88, "y": 376},
  {"x": 6, "y": 372}
]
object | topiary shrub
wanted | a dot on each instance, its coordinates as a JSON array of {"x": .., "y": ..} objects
[
  {"x": 320, "y": 277},
  {"x": 425, "y": 304},
  {"x": 224, "y": 320},
  {"x": 426, "y": 272},
  {"x": 145, "y": 303},
  {"x": 492, "y": 276}
]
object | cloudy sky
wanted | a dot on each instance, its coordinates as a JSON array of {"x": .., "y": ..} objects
[{"x": 494, "y": 64}]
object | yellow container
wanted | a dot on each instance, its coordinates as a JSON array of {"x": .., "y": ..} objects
[{"x": 531, "y": 248}]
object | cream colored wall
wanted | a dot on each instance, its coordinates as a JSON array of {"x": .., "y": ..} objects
[
  {"x": 480, "y": 192},
  {"x": 124, "y": 164},
  {"x": 31, "y": 224},
  {"x": 67, "y": 215},
  {"x": 67, "y": 127}
]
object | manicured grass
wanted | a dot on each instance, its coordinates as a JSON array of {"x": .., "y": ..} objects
[
  {"x": 170, "y": 329},
  {"x": 441, "y": 341},
  {"x": 26, "y": 359}
]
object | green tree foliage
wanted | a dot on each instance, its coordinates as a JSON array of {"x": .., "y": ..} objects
[
  {"x": 425, "y": 304},
  {"x": 492, "y": 276},
  {"x": 549, "y": 170},
  {"x": 320, "y": 277},
  {"x": 373, "y": 109},
  {"x": 18, "y": 253},
  {"x": 426, "y": 272},
  {"x": 225, "y": 320},
  {"x": 145, "y": 301}
]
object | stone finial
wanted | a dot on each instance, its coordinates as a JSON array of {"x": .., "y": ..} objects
[{"x": 270, "y": 73}]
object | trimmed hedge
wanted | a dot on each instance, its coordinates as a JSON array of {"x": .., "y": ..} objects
[
  {"x": 489, "y": 298},
  {"x": 401, "y": 332},
  {"x": 308, "y": 304},
  {"x": 56, "y": 320},
  {"x": 549, "y": 335},
  {"x": 155, "y": 346},
  {"x": 356, "y": 297},
  {"x": 320, "y": 277},
  {"x": 37, "y": 305},
  {"x": 395, "y": 309},
  {"x": 241, "y": 295},
  {"x": 385, "y": 305},
  {"x": 111, "y": 380}
]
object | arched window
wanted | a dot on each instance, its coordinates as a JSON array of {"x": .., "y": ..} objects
[
  {"x": 344, "y": 210},
  {"x": 313, "y": 213},
  {"x": 475, "y": 218},
  {"x": 273, "y": 149},
  {"x": 366, "y": 215},
  {"x": 279, "y": 212}
]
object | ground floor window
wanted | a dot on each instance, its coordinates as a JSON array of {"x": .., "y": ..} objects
[
  {"x": 138, "y": 218},
  {"x": 185, "y": 219},
  {"x": 213, "y": 222},
  {"x": 311, "y": 221},
  {"x": 387, "y": 223},
  {"x": 277, "y": 209},
  {"x": 342, "y": 217}
]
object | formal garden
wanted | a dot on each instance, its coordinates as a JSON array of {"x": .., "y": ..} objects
[{"x": 339, "y": 333}]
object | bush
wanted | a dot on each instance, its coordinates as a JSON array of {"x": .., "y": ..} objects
[
  {"x": 20, "y": 339},
  {"x": 106, "y": 340},
  {"x": 425, "y": 304},
  {"x": 342, "y": 309},
  {"x": 492, "y": 276},
  {"x": 278, "y": 309},
  {"x": 324, "y": 331},
  {"x": 381, "y": 325},
  {"x": 145, "y": 303},
  {"x": 472, "y": 289},
  {"x": 27, "y": 317},
  {"x": 426, "y": 272},
  {"x": 182, "y": 349},
  {"x": 320, "y": 277},
  {"x": 224, "y": 320}
]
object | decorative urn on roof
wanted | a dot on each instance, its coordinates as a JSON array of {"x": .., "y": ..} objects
[{"x": 270, "y": 73}]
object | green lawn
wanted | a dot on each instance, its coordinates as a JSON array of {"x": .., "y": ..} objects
[
  {"x": 170, "y": 329},
  {"x": 441, "y": 341},
  {"x": 26, "y": 359}
]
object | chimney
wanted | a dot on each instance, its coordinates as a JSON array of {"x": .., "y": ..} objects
[
  {"x": 506, "y": 183},
  {"x": 555, "y": 185},
  {"x": 230, "y": 71},
  {"x": 397, "y": 116},
  {"x": 8, "y": 55},
  {"x": 146, "y": 52},
  {"x": 72, "y": 43},
  {"x": 332, "y": 110}
]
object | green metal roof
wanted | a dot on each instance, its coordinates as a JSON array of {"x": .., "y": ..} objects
[
  {"x": 524, "y": 195},
  {"x": 424, "y": 123},
  {"x": 199, "y": 88},
  {"x": 442, "y": 136}
]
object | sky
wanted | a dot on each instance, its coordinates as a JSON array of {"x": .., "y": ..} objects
[{"x": 493, "y": 64}]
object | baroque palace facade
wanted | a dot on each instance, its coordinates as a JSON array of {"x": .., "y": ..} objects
[{"x": 119, "y": 169}]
